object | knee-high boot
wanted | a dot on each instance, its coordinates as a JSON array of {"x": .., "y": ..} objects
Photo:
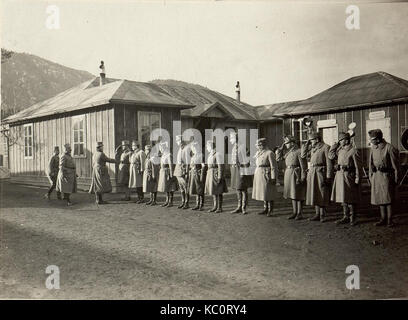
[
  {"x": 186, "y": 201},
  {"x": 214, "y": 208},
  {"x": 239, "y": 206},
  {"x": 389, "y": 216},
  {"x": 167, "y": 200},
  {"x": 345, "y": 218},
  {"x": 270, "y": 209},
  {"x": 197, "y": 206},
  {"x": 201, "y": 202},
  {"x": 170, "y": 204},
  {"x": 154, "y": 195},
  {"x": 352, "y": 214},
  {"x": 219, "y": 205},
  {"x": 183, "y": 199},
  {"x": 382, "y": 221},
  {"x": 244, "y": 201},
  {"x": 265, "y": 208}
]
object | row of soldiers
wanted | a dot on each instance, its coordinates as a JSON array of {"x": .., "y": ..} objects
[{"x": 334, "y": 174}]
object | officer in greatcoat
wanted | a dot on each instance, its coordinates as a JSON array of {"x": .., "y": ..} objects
[
  {"x": 67, "y": 177},
  {"x": 167, "y": 181},
  {"x": 215, "y": 184},
  {"x": 294, "y": 182},
  {"x": 384, "y": 170},
  {"x": 137, "y": 160},
  {"x": 197, "y": 176},
  {"x": 264, "y": 185},
  {"x": 124, "y": 166},
  {"x": 150, "y": 175},
  {"x": 100, "y": 176},
  {"x": 181, "y": 171},
  {"x": 319, "y": 175},
  {"x": 240, "y": 173},
  {"x": 53, "y": 168},
  {"x": 346, "y": 185}
]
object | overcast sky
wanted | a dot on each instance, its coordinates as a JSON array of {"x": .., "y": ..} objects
[{"x": 278, "y": 51}]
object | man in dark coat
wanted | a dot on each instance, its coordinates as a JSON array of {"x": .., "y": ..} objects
[
  {"x": 384, "y": 171},
  {"x": 346, "y": 186},
  {"x": 53, "y": 168},
  {"x": 240, "y": 174},
  {"x": 67, "y": 177},
  {"x": 319, "y": 175},
  {"x": 123, "y": 170}
]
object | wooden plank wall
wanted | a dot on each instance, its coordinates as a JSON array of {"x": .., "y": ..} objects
[{"x": 56, "y": 131}]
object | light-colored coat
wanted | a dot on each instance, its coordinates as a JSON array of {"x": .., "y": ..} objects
[
  {"x": 182, "y": 161},
  {"x": 321, "y": 168},
  {"x": 240, "y": 173},
  {"x": 124, "y": 168},
  {"x": 167, "y": 180},
  {"x": 150, "y": 174},
  {"x": 294, "y": 182},
  {"x": 383, "y": 182},
  {"x": 66, "y": 180},
  {"x": 100, "y": 176},
  {"x": 345, "y": 190},
  {"x": 215, "y": 183},
  {"x": 266, "y": 170},
  {"x": 137, "y": 160},
  {"x": 197, "y": 175}
]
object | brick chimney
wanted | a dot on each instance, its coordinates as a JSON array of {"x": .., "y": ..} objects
[
  {"x": 238, "y": 92},
  {"x": 102, "y": 74}
]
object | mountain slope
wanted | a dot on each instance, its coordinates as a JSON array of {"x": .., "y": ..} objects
[{"x": 27, "y": 79}]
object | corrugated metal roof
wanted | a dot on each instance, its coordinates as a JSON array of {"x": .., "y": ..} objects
[
  {"x": 276, "y": 110},
  {"x": 90, "y": 94}
]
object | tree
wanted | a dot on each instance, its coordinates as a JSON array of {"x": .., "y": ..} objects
[{"x": 5, "y": 55}]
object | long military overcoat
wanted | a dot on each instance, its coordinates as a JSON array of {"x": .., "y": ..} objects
[
  {"x": 266, "y": 170},
  {"x": 167, "y": 180},
  {"x": 294, "y": 182},
  {"x": 240, "y": 174},
  {"x": 384, "y": 169},
  {"x": 124, "y": 168},
  {"x": 53, "y": 168},
  {"x": 182, "y": 167},
  {"x": 321, "y": 169},
  {"x": 66, "y": 180},
  {"x": 100, "y": 176},
  {"x": 215, "y": 183},
  {"x": 150, "y": 174},
  {"x": 345, "y": 189},
  {"x": 197, "y": 175},
  {"x": 137, "y": 160}
]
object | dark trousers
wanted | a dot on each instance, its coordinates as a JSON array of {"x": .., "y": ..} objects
[{"x": 51, "y": 189}]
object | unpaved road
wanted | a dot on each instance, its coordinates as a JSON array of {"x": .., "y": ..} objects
[{"x": 128, "y": 251}]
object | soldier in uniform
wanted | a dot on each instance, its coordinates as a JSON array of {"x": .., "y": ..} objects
[
  {"x": 53, "y": 168},
  {"x": 264, "y": 186},
  {"x": 294, "y": 187},
  {"x": 240, "y": 176},
  {"x": 215, "y": 184},
  {"x": 137, "y": 160},
  {"x": 167, "y": 182},
  {"x": 100, "y": 176},
  {"x": 197, "y": 176},
  {"x": 124, "y": 165},
  {"x": 384, "y": 171},
  {"x": 181, "y": 171},
  {"x": 346, "y": 186},
  {"x": 150, "y": 175},
  {"x": 319, "y": 175},
  {"x": 67, "y": 177}
]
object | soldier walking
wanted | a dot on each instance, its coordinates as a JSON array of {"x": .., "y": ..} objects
[
  {"x": 181, "y": 171},
  {"x": 294, "y": 187},
  {"x": 197, "y": 176},
  {"x": 264, "y": 186},
  {"x": 384, "y": 171},
  {"x": 100, "y": 176},
  {"x": 240, "y": 176},
  {"x": 319, "y": 175},
  {"x": 346, "y": 186},
  {"x": 124, "y": 168},
  {"x": 150, "y": 175},
  {"x": 167, "y": 182},
  {"x": 215, "y": 184},
  {"x": 137, "y": 160},
  {"x": 53, "y": 168},
  {"x": 67, "y": 178}
]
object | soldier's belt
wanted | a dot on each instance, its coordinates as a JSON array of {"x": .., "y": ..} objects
[
  {"x": 383, "y": 169},
  {"x": 292, "y": 167},
  {"x": 212, "y": 166},
  {"x": 238, "y": 165},
  {"x": 317, "y": 165},
  {"x": 263, "y": 166}
]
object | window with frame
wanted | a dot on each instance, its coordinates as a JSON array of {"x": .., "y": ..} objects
[
  {"x": 78, "y": 130},
  {"x": 148, "y": 121},
  {"x": 28, "y": 141}
]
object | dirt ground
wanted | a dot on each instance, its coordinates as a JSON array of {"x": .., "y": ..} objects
[{"x": 130, "y": 251}]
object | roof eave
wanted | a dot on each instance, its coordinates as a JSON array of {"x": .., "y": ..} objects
[{"x": 152, "y": 104}]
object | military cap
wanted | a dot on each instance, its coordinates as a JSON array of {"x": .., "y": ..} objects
[
  {"x": 344, "y": 135},
  {"x": 261, "y": 141},
  {"x": 148, "y": 146},
  {"x": 125, "y": 142},
  {"x": 99, "y": 144},
  {"x": 375, "y": 133},
  {"x": 164, "y": 144},
  {"x": 288, "y": 139},
  {"x": 67, "y": 145},
  {"x": 56, "y": 148}
]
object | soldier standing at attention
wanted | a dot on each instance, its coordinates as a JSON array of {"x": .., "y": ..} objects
[
  {"x": 294, "y": 187},
  {"x": 181, "y": 171},
  {"x": 137, "y": 160},
  {"x": 167, "y": 182},
  {"x": 346, "y": 186},
  {"x": 67, "y": 178},
  {"x": 264, "y": 186},
  {"x": 240, "y": 177},
  {"x": 215, "y": 184},
  {"x": 319, "y": 175},
  {"x": 384, "y": 169},
  {"x": 124, "y": 165},
  {"x": 100, "y": 176},
  {"x": 197, "y": 176},
  {"x": 150, "y": 175},
  {"x": 53, "y": 168}
]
